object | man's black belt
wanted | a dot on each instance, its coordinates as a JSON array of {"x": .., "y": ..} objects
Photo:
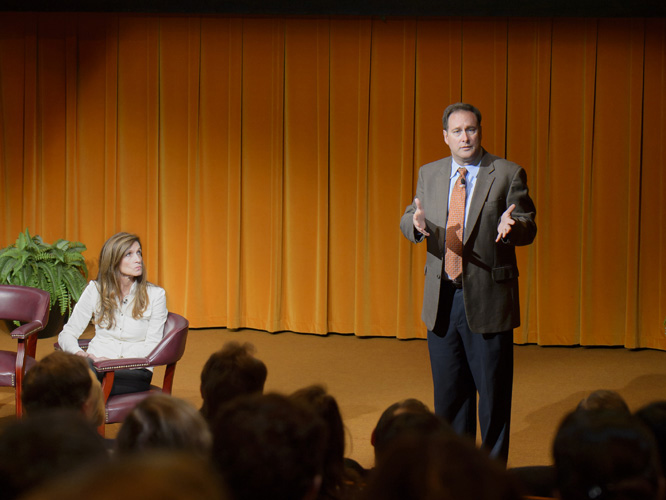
[{"x": 457, "y": 283}]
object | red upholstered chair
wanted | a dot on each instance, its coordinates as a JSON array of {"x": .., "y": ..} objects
[
  {"x": 168, "y": 352},
  {"x": 30, "y": 306}
]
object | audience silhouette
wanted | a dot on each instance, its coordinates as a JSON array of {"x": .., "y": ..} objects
[{"x": 243, "y": 445}]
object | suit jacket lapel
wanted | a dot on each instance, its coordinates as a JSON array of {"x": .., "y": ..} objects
[
  {"x": 484, "y": 180},
  {"x": 442, "y": 198}
]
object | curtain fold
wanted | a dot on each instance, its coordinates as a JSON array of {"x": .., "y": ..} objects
[{"x": 265, "y": 162}]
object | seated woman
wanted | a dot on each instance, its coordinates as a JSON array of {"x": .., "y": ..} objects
[{"x": 128, "y": 312}]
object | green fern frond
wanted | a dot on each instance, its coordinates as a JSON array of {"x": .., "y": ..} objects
[
  {"x": 57, "y": 254},
  {"x": 64, "y": 298},
  {"x": 24, "y": 275},
  {"x": 75, "y": 283},
  {"x": 7, "y": 267},
  {"x": 59, "y": 269}
]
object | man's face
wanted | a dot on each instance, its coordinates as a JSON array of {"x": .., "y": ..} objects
[{"x": 463, "y": 137}]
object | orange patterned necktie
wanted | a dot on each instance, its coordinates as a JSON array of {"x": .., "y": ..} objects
[{"x": 454, "y": 228}]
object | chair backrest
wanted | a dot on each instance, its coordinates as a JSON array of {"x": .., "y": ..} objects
[
  {"x": 24, "y": 304},
  {"x": 172, "y": 345}
]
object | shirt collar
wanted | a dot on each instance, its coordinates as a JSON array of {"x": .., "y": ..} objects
[{"x": 472, "y": 170}]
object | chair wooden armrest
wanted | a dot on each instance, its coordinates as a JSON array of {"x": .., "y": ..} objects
[
  {"x": 26, "y": 330},
  {"x": 107, "y": 365}
]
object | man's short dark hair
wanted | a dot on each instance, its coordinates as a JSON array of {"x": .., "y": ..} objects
[
  {"x": 267, "y": 446},
  {"x": 439, "y": 466},
  {"x": 603, "y": 454},
  {"x": 410, "y": 405},
  {"x": 230, "y": 372},
  {"x": 459, "y": 106},
  {"x": 653, "y": 417},
  {"x": 59, "y": 380},
  {"x": 407, "y": 424}
]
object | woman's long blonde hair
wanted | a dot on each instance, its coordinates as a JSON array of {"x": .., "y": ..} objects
[{"x": 108, "y": 280}]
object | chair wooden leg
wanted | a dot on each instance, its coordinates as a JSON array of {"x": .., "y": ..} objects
[
  {"x": 19, "y": 373},
  {"x": 169, "y": 373},
  {"x": 107, "y": 385}
]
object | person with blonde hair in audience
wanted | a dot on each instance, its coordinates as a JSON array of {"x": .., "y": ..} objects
[
  {"x": 129, "y": 313},
  {"x": 163, "y": 422}
]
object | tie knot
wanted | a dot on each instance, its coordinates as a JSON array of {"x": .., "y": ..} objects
[{"x": 462, "y": 171}]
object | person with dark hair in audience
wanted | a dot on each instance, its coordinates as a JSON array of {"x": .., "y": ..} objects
[
  {"x": 162, "y": 422},
  {"x": 410, "y": 405},
  {"x": 539, "y": 480},
  {"x": 338, "y": 480},
  {"x": 46, "y": 446},
  {"x": 654, "y": 417},
  {"x": 606, "y": 455},
  {"x": 269, "y": 447},
  {"x": 406, "y": 423},
  {"x": 230, "y": 372},
  {"x": 63, "y": 380},
  {"x": 604, "y": 399},
  {"x": 144, "y": 476},
  {"x": 442, "y": 466}
]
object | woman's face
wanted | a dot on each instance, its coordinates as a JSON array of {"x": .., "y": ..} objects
[{"x": 132, "y": 262}]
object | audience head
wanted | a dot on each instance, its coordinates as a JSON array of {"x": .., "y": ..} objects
[
  {"x": 325, "y": 405},
  {"x": 605, "y": 455},
  {"x": 44, "y": 446},
  {"x": 267, "y": 446},
  {"x": 604, "y": 400},
  {"x": 654, "y": 417},
  {"x": 230, "y": 372},
  {"x": 146, "y": 476},
  {"x": 63, "y": 380},
  {"x": 162, "y": 422},
  {"x": 441, "y": 466},
  {"x": 409, "y": 416}
]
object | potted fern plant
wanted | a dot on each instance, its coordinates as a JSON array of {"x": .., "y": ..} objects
[{"x": 59, "y": 269}]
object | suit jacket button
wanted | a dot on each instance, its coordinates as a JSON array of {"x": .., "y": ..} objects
[{"x": 439, "y": 277}]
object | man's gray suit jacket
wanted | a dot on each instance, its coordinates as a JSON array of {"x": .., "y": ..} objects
[{"x": 490, "y": 272}]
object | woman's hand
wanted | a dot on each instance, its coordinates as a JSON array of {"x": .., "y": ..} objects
[{"x": 90, "y": 356}]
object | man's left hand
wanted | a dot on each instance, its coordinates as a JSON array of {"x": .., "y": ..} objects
[{"x": 504, "y": 226}]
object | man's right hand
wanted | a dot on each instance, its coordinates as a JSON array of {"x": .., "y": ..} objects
[{"x": 419, "y": 218}]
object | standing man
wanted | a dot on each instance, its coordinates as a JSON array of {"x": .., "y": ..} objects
[{"x": 472, "y": 209}]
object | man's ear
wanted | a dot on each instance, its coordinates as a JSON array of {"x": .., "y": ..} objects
[{"x": 446, "y": 136}]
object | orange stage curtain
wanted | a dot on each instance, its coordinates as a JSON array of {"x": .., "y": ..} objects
[{"x": 265, "y": 162}]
